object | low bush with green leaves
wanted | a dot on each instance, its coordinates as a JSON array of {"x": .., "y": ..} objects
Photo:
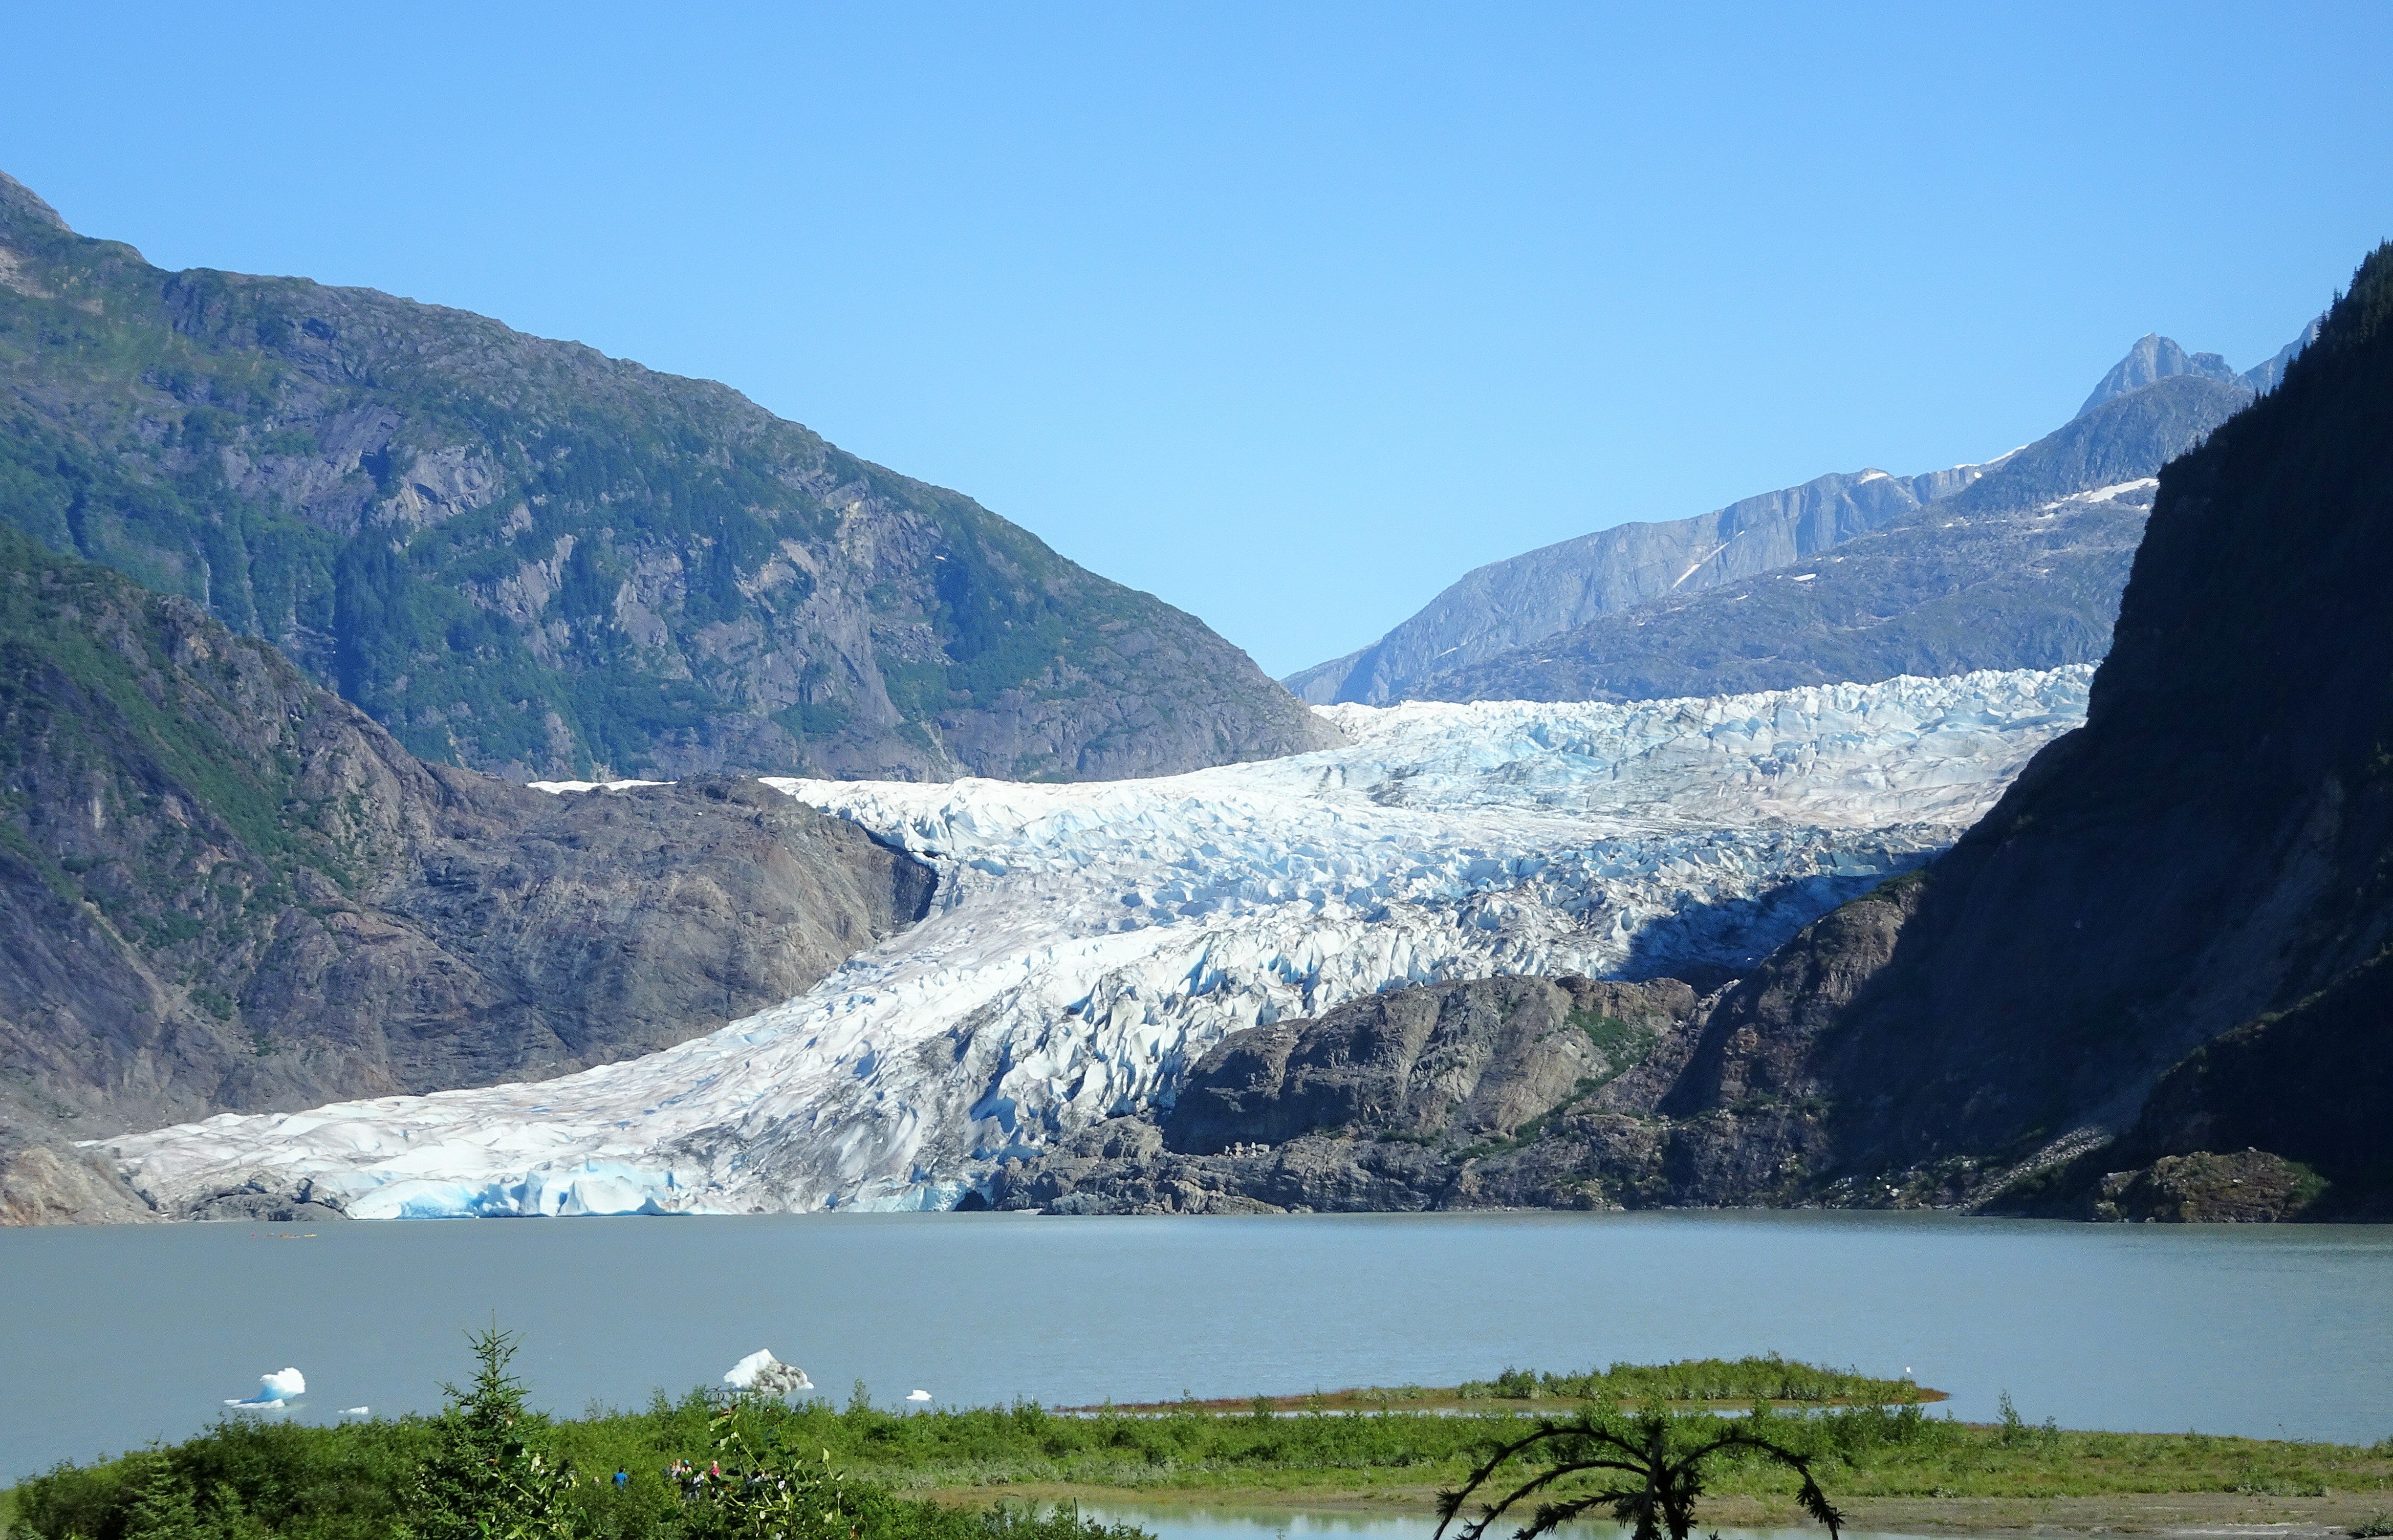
[{"x": 1770, "y": 1378}]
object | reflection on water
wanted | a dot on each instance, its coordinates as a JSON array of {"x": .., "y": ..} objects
[{"x": 142, "y": 1332}]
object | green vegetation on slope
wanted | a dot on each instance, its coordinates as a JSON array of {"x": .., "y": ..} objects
[{"x": 518, "y": 553}]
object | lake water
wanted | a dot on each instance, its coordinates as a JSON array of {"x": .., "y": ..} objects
[{"x": 114, "y": 1336}]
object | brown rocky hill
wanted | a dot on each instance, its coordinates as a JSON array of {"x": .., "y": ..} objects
[{"x": 222, "y": 887}]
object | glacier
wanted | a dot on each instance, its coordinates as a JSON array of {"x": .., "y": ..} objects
[{"x": 1089, "y": 941}]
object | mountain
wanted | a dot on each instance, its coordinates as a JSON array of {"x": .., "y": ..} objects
[
  {"x": 2157, "y": 357},
  {"x": 2155, "y": 981},
  {"x": 2170, "y": 939},
  {"x": 222, "y": 887},
  {"x": 2022, "y": 568},
  {"x": 524, "y": 556},
  {"x": 1652, "y": 611},
  {"x": 1512, "y": 602},
  {"x": 1092, "y": 943}
]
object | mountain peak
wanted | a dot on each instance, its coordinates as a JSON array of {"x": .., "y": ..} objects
[
  {"x": 2154, "y": 357},
  {"x": 22, "y": 205}
]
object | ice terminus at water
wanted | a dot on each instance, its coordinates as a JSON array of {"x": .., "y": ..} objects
[{"x": 1089, "y": 941}]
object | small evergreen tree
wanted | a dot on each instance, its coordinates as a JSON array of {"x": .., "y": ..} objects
[
  {"x": 493, "y": 1474},
  {"x": 163, "y": 1507}
]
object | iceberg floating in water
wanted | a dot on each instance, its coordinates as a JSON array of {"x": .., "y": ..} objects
[
  {"x": 1091, "y": 941},
  {"x": 761, "y": 1372},
  {"x": 275, "y": 1388}
]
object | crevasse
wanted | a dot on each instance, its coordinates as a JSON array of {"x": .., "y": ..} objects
[{"x": 1089, "y": 941}]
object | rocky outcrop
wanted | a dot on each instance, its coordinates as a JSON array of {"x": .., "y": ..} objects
[
  {"x": 1507, "y": 1093},
  {"x": 2157, "y": 357},
  {"x": 59, "y": 1185},
  {"x": 524, "y": 556},
  {"x": 2244, "y": 1187},
  {"x": 224, "y": 889}
]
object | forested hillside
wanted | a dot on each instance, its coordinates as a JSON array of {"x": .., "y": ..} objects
[{"x": 529, "y": 557}]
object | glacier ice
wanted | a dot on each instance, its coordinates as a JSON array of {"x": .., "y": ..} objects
[
  {"x": 274, "y": 1388},
  {"x": 1089, "y": 941},
  {"x": 765, "y": 1374}
]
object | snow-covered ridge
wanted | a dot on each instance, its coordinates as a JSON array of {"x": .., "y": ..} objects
[{"x": 1089, "y": 941}]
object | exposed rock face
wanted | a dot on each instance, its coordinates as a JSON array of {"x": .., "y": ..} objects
[
  {"x": 43, "y": 1185},
  {"x": 1470, "y": 1061},
  {"x": 524, "y": 556},
  {"x": 2157, "y": 357},
  {"x": 2247, "y": 1187},
  {"x": 222, "y": 887},
  {"x": 2021, "y": 570},
  {"x": 1497, "y": 1092}
]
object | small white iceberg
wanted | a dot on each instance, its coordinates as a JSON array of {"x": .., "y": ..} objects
[
  {"x": 918, "y": 1395},
  {"x": 273, "y": 1389},
  {"x": 763, "y": 1374}
]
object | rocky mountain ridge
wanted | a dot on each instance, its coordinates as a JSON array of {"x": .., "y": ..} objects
[
  {"x": 1626, "y": 612},
  {"x": 2023, "y": 569},
  {"x": 524, "y": 556},
  {"x": 1513, "y": 603}
]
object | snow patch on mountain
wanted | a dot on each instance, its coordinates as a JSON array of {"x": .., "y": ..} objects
[{"x": 1089, "y": 941}]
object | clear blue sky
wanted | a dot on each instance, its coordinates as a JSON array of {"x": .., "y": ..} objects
[{"x": 1289, "y": 314}]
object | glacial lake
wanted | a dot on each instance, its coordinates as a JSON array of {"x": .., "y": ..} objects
[{"x": 114, "y": 1336}]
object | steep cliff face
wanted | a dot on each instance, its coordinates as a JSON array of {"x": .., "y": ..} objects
[
  {"x": 2169, "y": 936},
  {"x": 525, "y": 556},
  {"x": 222, "y": 887},
  {"x": 2022, "y": 568}
]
